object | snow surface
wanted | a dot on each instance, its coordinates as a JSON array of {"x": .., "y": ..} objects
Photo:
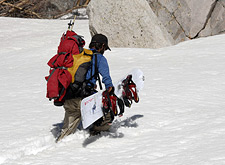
[{"x": 180, "y": 119}]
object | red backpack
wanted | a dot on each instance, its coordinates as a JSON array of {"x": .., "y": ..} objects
[
  {"x": 71, "y": 43},
  {"x": 60, "y": 78}
]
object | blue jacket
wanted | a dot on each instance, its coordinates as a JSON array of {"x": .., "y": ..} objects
[{"x": 103, "y": 69}]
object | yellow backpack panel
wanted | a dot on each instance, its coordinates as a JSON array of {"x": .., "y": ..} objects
[{"x": 80, "y": 66}]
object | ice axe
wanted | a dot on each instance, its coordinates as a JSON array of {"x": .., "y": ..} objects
[{"x": 70, "y": 24}]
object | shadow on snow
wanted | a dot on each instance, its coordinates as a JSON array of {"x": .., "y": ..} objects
[{"x": 113, "y": 132}]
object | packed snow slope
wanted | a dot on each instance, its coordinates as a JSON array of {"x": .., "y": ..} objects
[{"x": 180, "y": 119}]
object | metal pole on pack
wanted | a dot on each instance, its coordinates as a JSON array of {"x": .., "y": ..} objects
[
  {"x": 71, "y": 24},
  {"x": 73, "y": 21}
]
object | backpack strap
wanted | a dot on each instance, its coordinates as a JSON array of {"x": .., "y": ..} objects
[
  {"x": 96, "y": 73},
  {"x": 80, "y": 42},
  {"x": 60, "y": 53},
  {"x": 61, "y": 67}
]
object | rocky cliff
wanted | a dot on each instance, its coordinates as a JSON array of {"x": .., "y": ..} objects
[
  {"x": 127, "y": 23},
  {"x": 155, "y": 23},
  {"x": 188, "y": 19}
]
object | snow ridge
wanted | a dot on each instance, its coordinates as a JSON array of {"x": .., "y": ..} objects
[{"x": 31, "y": 146}]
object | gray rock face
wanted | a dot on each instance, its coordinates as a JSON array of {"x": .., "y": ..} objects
[
  {"x": 216, "y": 23},
  {"x": 164, "y": 23},
  {"x": 199, "y": 13},
  {"x": 168, "y": 12},
  {"x": 127, "y": 23},
  {"x": 188, "y": 19}
]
